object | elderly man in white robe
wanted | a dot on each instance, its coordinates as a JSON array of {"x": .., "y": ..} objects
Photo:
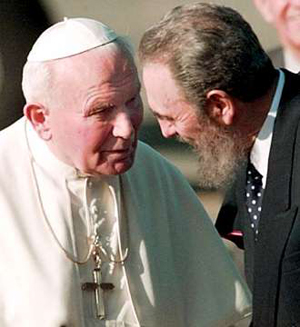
[{"x": 96, "y": 228}]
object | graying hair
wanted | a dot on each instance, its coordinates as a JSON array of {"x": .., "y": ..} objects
[{"x": 209, "y": 47}]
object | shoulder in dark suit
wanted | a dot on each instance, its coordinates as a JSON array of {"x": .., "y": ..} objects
[{"x": 272, "y": 263}]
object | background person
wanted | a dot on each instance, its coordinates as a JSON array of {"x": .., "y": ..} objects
[{"x": 285, "y": 17}]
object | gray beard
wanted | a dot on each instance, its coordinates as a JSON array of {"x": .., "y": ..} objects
[{"x": 221, "y": 155}]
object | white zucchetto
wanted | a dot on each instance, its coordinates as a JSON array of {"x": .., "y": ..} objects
[{"x": 70, "y": 37}]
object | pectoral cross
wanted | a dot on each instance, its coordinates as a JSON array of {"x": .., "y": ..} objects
[{"x": 98, "y": 286}]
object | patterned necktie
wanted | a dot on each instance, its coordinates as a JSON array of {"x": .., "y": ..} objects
[{"x": 254, "y": 195}]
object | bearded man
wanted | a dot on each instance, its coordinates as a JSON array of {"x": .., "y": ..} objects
[
  {"x": 96, "y": 228},
  {"x": 209, "y": 82}
]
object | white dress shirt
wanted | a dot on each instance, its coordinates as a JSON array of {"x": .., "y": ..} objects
[
  {"x": 260, "y": 152},
  {"x": 290, "y": 61}
]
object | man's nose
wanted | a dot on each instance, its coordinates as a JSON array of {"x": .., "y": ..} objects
[
  {"x": 167, "y": 129},
  {"x": 123, "y": 125}
]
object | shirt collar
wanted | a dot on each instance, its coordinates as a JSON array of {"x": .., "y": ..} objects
[
  {"x": 260, "y": 152},
  {"x": 291, "y": 62}
]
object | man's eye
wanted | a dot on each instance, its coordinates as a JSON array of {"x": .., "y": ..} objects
[
  {"x": 101, "y": 110},
  {"x": 132, "y": 100}
]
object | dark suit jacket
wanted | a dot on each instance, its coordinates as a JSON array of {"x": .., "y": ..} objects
[{"x": 272, "y": 263}]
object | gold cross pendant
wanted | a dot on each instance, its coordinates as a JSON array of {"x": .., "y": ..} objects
[{"x": 98, "y": 287}]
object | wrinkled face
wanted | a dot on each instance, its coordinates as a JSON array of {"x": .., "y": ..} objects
[
  {"x": 174, "y": 114},
  {"x": 220, "y": 151},
  {"x": 285, "y": 15},
  {"x": 96, "y": 112}
]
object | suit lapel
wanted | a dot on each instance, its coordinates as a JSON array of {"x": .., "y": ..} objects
[{"x": 277, "y": 196}]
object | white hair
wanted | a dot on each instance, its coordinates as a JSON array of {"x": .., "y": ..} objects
[{"x": 36, "y": 81}]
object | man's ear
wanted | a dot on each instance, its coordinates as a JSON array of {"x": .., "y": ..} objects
[
  {"x": 38, "y": 115},
  {"x": 265, "y": 8},
  {"x": 220, "y": 107}
]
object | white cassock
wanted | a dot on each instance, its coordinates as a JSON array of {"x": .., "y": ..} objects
[{"x": 175, "y": 272}]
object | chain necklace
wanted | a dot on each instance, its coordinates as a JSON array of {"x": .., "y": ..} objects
[{"x": 95, "y": 248}]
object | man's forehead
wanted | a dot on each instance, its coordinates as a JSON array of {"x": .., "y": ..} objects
[
  {"x": 109, "y": 61},
  {"x": 99, "y": 75}
]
